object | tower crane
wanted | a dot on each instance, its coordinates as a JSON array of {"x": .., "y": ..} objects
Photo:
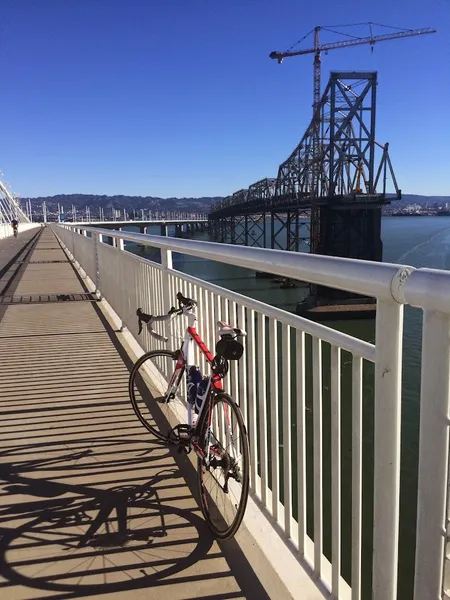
[
  {"x": 317, "y": 50},
  {"x": 355, "y": 41}
]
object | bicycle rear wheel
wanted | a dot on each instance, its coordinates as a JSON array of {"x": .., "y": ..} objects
[
  {"x": 224, "y": 478},
  {"x": 151, "y": 379}
]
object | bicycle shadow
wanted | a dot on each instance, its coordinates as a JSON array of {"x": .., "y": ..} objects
[{"x": 80, "y": 540}]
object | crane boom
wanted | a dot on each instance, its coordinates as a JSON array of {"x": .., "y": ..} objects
[{"x": 357, "y": 42}]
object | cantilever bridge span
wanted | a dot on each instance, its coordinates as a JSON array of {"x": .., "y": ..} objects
[{"x": 329, "y": 192}]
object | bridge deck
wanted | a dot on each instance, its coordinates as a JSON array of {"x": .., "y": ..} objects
[{"x": 89, "y": 503}]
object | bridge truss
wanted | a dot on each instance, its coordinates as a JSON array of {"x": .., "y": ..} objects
[{"x": 330, "y": 199}]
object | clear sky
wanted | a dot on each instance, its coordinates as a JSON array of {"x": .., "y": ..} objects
[{"x": 179, "y": 98}]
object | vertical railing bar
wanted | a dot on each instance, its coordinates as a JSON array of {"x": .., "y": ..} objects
[
  {"x": 211, "y": 326},
  {"x": 432, "y": 526},
  {"x": 242, "y": 369},
  {"x": 174, "y": 324},
  {"x": 138, "y": 272},
  {"x": 252, "y": 399},
  {"x": 301, "y": 440},
  {"x": 356, "y": 476},
  {"x": 147, "y": 296},
  {"x": 202, "y": 316},
  {"x": 387, "y": 406},
  {"x": 287, "y": 402},
  {"x": 335, "y": 470},
  {"x": 234, "y": 373},
  {"x": 161, "y": 301},
  {"x": 317, "y": 418},
  {"x": 218, "y": 310},
  {"x": 224, "y": 308},
  {"x": 274, "y": 421},
  {"x": 262, "y": 403}
]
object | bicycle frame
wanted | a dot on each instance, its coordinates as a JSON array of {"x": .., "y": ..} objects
[{"x": 186, "y": 360}]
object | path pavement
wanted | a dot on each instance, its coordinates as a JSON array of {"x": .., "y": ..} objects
[{"x": 90, "y": 505}]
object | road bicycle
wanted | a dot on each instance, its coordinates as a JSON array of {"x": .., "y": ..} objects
[{"x": 163, "y": 382}]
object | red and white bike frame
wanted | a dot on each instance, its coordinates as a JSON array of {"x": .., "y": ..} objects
[{"x": 186, "y": 359}]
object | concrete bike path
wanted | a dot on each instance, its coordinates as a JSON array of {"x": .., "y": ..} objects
[{"x": 90, "y": 504}]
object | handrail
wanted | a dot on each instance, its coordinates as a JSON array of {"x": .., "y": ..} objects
[
  {"x": 380, "y": 280},
  {"x": 113, "y": 274}
]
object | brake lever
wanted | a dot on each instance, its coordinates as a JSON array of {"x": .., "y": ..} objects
[{"x": 142, "y": 318}]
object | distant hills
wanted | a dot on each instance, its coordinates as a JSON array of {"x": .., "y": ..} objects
[
  {"x": 153, "y": 203},
  {"x": 108, "y": 203}
]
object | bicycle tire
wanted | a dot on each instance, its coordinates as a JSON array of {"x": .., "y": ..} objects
[
  {"x": 208, "y": 504},
  {"x": 142, "y": 398}
]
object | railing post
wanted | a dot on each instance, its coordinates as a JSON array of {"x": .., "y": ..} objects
[
  {"x": 387, "y": 401},
  {"x": 166, "y": 263},
  {"x": 433, "y": 456},
  {"x": 73, "y": 233},
  {"x": 119, "y": 242},
  {"x": 97, "y": 238}
]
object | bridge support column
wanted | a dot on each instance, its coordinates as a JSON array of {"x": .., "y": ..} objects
[
  {"x": 164, "y": 230},
  {"x": 350, "y": 233},
  {"x": 119, "y": 242}
]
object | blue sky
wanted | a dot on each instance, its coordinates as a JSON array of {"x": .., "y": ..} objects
[{"x": 179, "y": 97}]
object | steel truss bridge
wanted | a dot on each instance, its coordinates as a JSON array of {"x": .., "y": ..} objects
[{"x": 328, "y": 194}]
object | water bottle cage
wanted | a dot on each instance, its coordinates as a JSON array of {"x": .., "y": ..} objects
[
  {"x": 219, "y": 366},
  {"x": 191, "y": 392}
]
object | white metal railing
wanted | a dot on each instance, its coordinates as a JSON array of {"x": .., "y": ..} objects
[{"x": 294, "y": 379}]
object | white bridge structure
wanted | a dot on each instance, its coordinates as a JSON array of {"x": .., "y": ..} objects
[
  {"x": 305, "y": 513},
  {"x": 10, "y": 209},
  {"x": 181, "y": 224}
]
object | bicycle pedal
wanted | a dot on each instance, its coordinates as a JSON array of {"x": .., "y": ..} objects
[{"x": 180, "y": 434}]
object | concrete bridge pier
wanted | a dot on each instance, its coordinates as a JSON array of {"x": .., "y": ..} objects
[{"x": 164, "y": 230}]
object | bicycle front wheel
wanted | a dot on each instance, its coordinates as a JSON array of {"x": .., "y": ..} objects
[
  {"x": 152, "y": 387},
  {"x": 223, "y": 472}
]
